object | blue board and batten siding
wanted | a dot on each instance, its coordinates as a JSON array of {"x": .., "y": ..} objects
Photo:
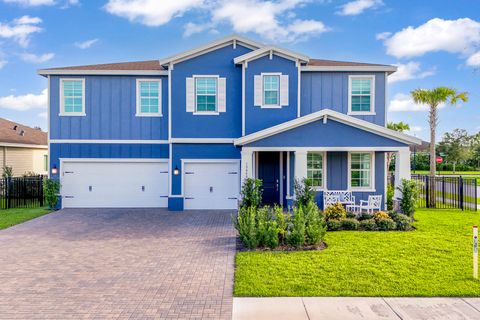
[
  {"x": 110, "y": 108},
  {"x": 329, "y": 90}
]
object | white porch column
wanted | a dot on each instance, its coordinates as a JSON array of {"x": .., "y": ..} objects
[
  {"x": 247, "y": 164},
  {"x": 402, "y": 168},
  {"x": 300, "y": 167}
]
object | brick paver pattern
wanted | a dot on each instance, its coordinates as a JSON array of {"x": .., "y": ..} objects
[{"x": 118, "y": 264}]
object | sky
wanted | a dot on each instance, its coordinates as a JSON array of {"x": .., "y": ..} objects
[{"x": 433, "y": 43}]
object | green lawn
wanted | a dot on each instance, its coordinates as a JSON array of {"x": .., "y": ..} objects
[
  {"x": 434, "y": 260},
  {"x": 11, "y": 217}
]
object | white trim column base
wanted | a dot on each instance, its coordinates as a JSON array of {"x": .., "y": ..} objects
[
  {"x": 247, "y": 164},
  {"x": 402, "y": 169},
  {"x": 300, "y": 165}
]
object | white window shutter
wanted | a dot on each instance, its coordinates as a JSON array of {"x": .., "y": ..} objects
[
  {"x": 222, "y": 95},
  {"x": 257, "y": 91},
  {"x": 190, "y": 98},
  {"x": 284, "y": 90}
]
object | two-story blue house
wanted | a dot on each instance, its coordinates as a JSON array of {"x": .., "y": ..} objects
[{"x": 183, "y": 132}]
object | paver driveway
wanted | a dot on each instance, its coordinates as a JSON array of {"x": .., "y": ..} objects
[{"x": 118, "y": 264}]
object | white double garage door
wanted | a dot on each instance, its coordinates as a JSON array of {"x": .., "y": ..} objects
[{"x": 143, "y": 183}]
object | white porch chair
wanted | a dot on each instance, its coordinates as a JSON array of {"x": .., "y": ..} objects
[
  {"x": 344, "y": 197},
  {"x": 330, "y": 200},
  {"x": 373, "y": 203}
]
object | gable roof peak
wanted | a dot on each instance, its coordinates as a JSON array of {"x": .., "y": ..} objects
[{"x": 272, "y": 50}]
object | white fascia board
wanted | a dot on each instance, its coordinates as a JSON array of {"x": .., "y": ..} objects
[
  {"x": 105, "y": 141},
  {"x": 265, "y": 50},
  {"x": 207, "y": 47},
  {"x": 23, "y": 145},
  {"x": 202, "y": 140},
  {"x": 334, "y": 115},
  {"x": 47, "y": 72},
  {"x": 389, "y": 69}
]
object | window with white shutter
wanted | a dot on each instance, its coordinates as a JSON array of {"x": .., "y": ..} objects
[
  {"x": 206, "y": 95},
  {"x": 271, "y": 90}
]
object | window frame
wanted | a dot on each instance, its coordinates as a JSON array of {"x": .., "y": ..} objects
[
  {"x": 138, "y": 112},
  {"x": 371, "y": 187},
  {"x": 62, "y": 112},
  {"x": 271, "y": 106},
  {"x": 372, "y": 94},
  {"x": 216, "y": 77},
  {"x": 324, "y": 170}
]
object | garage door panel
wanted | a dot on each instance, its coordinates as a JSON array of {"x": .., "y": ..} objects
[{"x": 114, "y": 184}]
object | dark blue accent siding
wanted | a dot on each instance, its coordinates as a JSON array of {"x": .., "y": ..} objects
[
  {"x": 331, "y": 134},
  {"x": 175, "y": 204},
  {"x": 257, "y": 118},
  {"x": 110, "y": 107},
  {"x": 225, "y": 125},
  {"x": 329, "y": 90}
]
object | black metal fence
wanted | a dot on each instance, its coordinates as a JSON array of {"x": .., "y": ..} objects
[
  {"x": 446, "y": 192},
  {"x": 21, "y": 192}
]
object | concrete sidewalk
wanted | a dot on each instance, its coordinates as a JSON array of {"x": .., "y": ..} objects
[{"x": 311, "y": 308}]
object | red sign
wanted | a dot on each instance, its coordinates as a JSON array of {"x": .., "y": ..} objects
[{"x": 439, "y": 159}]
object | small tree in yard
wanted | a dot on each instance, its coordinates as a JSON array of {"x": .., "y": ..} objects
[
  {"x": 7, "y": 172},
  {"x": 304, "y": 192},
  {"x": 409, "y": 190},
  {"x": 51, "y": 189},
  {"x": 251, "y": 193},
  {"x": 456, "y": 146}
]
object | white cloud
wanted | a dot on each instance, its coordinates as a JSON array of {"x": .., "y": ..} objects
[
  {"x": 151, "y": 12},
  {"x": 3, "y": 63},
  {"x": 31, "y": 3},
  {"x": 34, "y": 58},
  {"x": 25, "y": 102},
  {"x": 408, "y": 71},
  {"x": 43, "y": 115},
  {"x": 415, "y": 129},
  {"x": 382, "y": 35},
  {"x": 455, "y": 36},
  {"x": 272, "y": 20},
  {"x": 356, "y": 7},
  {"x": 403, "y": 102},
  {"x": 474, "y": 60},
  {"x": 20, "y": 29},
  {"x": 85, "y": 44}
]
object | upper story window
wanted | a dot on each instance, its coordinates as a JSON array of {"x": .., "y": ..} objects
[
  {"x": 72, "y": 97},
  {"x": 361, "y": 170},
  {"x": 149, "y": 97},
  {"x": 206, "y": 94},
  {"x": 315, "y": 169},
  {"x": 271, "y": 90},
  {"x": 361, "y": 96}
]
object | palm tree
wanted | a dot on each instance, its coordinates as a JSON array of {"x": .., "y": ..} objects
[
  {"x": 433, "y": 98},
  {"x": 400, "y": 127}
]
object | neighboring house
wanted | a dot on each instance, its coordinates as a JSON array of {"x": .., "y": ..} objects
[
  {"x": 23, "y": 148},
  {"x": 184, "y": 131}
]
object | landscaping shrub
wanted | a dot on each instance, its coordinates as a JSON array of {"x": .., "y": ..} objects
[
  {"x": 349, "y": 224},
  {"x": 367, "y": 225},
  {"x": 7, "y": 172},
  {"x": 390, "y": 194},
  {"x": 409, "y": 190},
  {"x": 251, "y": 193},
  {"x": 334, "y": 225},
  {"x": 282, "y": 223},
  {"x": 336, "y": 212},
  {"x": 51, "y": 188},
  {"x": 351, "y": 215},
  {"x": 271, "y": 234},
  {"x": 262, "y": 219},
  {"x": 404, "y": 222},
  {"x": 379, "y": 215},
  {"x": 304, "y": 192},
  {"x": 315, "y": 228},
  {"x": 365, "y": 216},
  {"x": 296, "y": 236},
  {"x": 386, "y": 224},
  {"x": 246, "y": 225}
]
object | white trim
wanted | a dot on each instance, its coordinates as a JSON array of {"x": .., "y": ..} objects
[
  {"x": 370, "y": 188},
  {"x": 62, "y": 112},
  {"x": 170, "y": 147},
  {"x": 220, "y": 43},
  {"x": 288, "y": 175},
  {"x": 372, "y": 95},
  {"x": 243, "y": 100},
  {"x": 201, "y": 140},
  {"x": 206, "y": 113},
  {"x": 170, "y": 69},
  {"x": 385, "y": 108},
  {"x": 385, "y": 180},
  {"x": 138, "y": 112},
  {"x": 23, "y": 145},
  {"x": 185, "y": 161},
  {"x": 324, "y": 169},
  {"x": 306, "y": 149},
  {"x": 280, "y": 182},
  {"x": 299, "y": 93},
  {"x": 270, "y": 106},
  {"x": 48, "y": 125},
  {"x": 104, "y": 141},
  {"x": 270, "y": 50},
  {"x": 337, "y": 116},
  {"x": 146, "y": 160},
  {"x": 389, "y": 69},
  {"x": 47, "y": 72}
]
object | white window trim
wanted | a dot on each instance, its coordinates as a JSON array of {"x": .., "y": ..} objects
[
  {"x": 324, "y": 170},
  {"x": 62, "y": 102},
  {"x": 372, "y": 95},
  {"x": 139, "y": 113},
  {"x": 370, "y": 188},
  {"x": 205, "y": 113},
  {"x": 271, "y": 106}
]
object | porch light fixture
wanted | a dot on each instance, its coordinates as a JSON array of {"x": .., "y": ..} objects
[
  {"x": 176, "y": 171},
  {"x": 54, "y": 169}
]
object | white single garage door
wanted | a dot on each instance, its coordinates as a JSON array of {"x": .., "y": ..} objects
[
  {"x": 114, "y": 184},
  {"x": 211, "y": 185}
]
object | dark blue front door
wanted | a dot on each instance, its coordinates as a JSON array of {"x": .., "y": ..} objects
[{"x": 269, "y": 173}]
